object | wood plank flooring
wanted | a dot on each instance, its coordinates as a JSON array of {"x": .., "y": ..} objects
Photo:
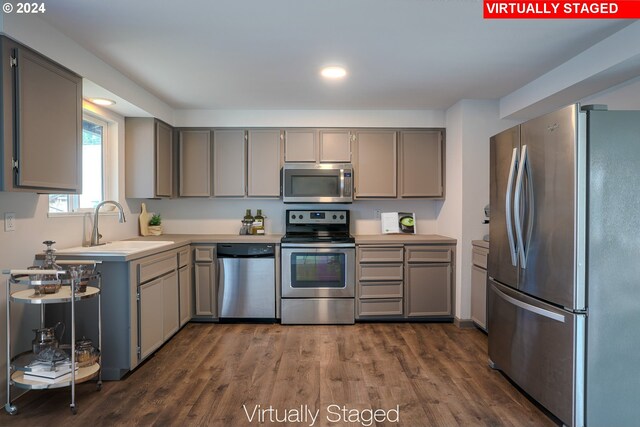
[{"x": 436, "y": 373}]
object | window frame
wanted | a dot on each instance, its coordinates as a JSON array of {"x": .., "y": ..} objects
[{"x": 108, "y": 168}]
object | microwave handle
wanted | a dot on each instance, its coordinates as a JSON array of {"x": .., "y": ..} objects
[{"x": 342, "y": 182}]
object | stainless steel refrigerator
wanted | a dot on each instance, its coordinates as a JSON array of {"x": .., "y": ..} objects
[{"x": 564, "y": 263}]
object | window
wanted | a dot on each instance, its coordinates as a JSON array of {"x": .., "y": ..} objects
[{"x": 94, "y": 143}]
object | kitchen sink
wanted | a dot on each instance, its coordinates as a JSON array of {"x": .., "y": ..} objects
[{"x": 119, "y": 248}]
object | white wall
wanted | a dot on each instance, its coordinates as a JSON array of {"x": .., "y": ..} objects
[
  {"x": 625, "y": 96},
  {"x": 470, "y": 124}
]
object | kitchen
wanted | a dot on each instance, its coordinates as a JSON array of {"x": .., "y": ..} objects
[{"x": 470, "y": 115}]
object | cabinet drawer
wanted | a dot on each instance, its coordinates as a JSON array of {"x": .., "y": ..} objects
[
  {"x": 427, "y": 254},
  {"x": 377, "y": 272},
  {"x": 380, "y": 290},
  {"x": 202, "y": 254},
  {"x": 184, "y": 256},
  {"x": 155, "y": 266},
  {"x": 380, "y": 307},
  {"x": 479, "y": 257},
  {"x": 380, "y": 254}
]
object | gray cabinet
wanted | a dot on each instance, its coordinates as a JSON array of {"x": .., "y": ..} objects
[
  {"x": 205, "y": 285},
  {"x": 151, "y": 317},
  {"x": 380, "y": 275},
  {"x": 300, "y": 145},
  {"x": 375, "y": 164},
  {"x": 41, "y": 107},
  {"x": 170, "y": 305},
  {"x": 149, "y": 154},
  {"x": 421, "y": 164},
  {"x": 428, "y": 281},
  {"x": 230, "y": 164},
  {"x": 195, "y": 163},
  {"x": 264, "y": 162},
  {"x": 479, "y": 285},
  {"x": 185, "y": 284},
  {"x": 335, "y": 146}
]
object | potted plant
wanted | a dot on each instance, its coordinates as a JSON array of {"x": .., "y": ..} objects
[{"x": 155, "y": 227}]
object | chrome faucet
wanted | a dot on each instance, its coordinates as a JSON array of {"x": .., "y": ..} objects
[{"x": 95, "y": 234}]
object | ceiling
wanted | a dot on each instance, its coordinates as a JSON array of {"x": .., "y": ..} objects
[{"x": 259, "y": 54}]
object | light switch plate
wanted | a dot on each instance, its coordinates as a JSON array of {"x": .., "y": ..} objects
[
  {"x": 377, "y": 213},
  {"x": 9, "y": 221}
]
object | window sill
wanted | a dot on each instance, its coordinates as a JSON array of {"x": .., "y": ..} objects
[{"x": 79, "y": 214}]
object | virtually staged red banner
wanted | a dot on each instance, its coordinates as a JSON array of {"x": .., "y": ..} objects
[{"x": 622, "y": 9}]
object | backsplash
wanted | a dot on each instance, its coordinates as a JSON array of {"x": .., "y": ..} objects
[{"x": 222, "y": 216}]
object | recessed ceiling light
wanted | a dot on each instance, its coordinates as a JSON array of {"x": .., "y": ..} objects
[
  {"x": 333, "y": 72},
  {"x": 102, "y": 101}
]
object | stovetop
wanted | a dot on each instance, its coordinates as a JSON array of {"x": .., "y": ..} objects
[
  {"x": 317, "y": 226},
  {"x": 317, "y": 238}
]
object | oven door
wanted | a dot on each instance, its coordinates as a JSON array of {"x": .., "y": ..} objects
[{"x": 309, "y": 272}]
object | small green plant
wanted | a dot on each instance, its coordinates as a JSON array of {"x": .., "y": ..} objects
[{"x": 155, "y": 220}]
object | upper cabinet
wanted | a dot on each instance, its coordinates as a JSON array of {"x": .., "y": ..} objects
[
  {"x": 300, "y": 145},
  {"x": 194, "y": 163},
  {"x": 149, "y": 158},
  {"x": 264, "y": 163},
  {"x": 41, "y": 107},
  {"x": 375, "y": 164},
  {"x": 317, "y": 146},
  {"x": 230, "y": 164},
  {"x": 421, "y": 164},
  {"x": 335, "y": 146}
]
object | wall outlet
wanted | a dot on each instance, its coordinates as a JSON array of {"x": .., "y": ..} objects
[
  {"x": 9, "y": 221},
  {"x": 377, "y": 213}
]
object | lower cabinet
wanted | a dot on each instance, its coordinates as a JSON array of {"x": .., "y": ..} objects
[
  {"x": 185, "y": 289},
  {"x": 150, "y": 318},
  {"x": 404, "y": 281},
  {"x": 159, "y": 318},
  {"x": 205, "y": 289},
  {"x": 428, "y": 290},
  {"x": 479, "y": 284}
]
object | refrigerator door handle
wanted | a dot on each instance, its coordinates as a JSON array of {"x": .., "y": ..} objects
[
  {"x": 532, "y": 308},
  {"x": 516, "y": 208},
  {"x": 508, "y": 206}
]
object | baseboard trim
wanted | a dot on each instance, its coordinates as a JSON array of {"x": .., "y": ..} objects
[{"x": 464, "y": 323}]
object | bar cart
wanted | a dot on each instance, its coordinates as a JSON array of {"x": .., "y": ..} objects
[{"x": 68, "y": 283}]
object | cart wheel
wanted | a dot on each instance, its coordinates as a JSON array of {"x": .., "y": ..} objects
[
  {"x": 11, "y": 409},
  {"x": 74, "y": 409},
  {"x": 99, "y": 385}
]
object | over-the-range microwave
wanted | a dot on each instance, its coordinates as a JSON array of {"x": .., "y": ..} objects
[{"x": 317, "y": 183}]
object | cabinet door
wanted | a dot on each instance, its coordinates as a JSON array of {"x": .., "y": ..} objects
[
  {"x": 164, "y": 160},
  {"x": 479, "y": 296},
  {"x": 421, "y": 164},
  {"x": 229, "y": 157},
  {"x": 335, "y": 146},
  {"x": 264, "y": 163},
  {"x": 151, "y": 317},
  {"x": 300, "y": 145},
  {"x": 195, "y": 163},
  {"x": 171, "y": 305},
  {"x": 48, "y": 119},
  {"x": 205, "y": 289},
  {"x": 375, "y": 164},
  {"x": 184, "y": 283},
  {"x": 428, "y": 290}
]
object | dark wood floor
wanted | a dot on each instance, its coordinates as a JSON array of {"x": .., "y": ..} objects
[{"x": 436, "y": 373}]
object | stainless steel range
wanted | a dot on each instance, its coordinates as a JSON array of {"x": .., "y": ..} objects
[{"x": 318, "y": 268}]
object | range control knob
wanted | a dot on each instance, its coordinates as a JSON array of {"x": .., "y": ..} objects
[
  {"x": 334, "y": 217},
  {"x": 299, "y": 216},
  {"x": 341, "y": 216},
  {"x": 293, "y": 217}
]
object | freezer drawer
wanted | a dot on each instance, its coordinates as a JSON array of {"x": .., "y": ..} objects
[{"x": 535, "y": 344}]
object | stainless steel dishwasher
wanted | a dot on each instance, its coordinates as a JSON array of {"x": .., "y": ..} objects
[{"x": 246, "y": 281}]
